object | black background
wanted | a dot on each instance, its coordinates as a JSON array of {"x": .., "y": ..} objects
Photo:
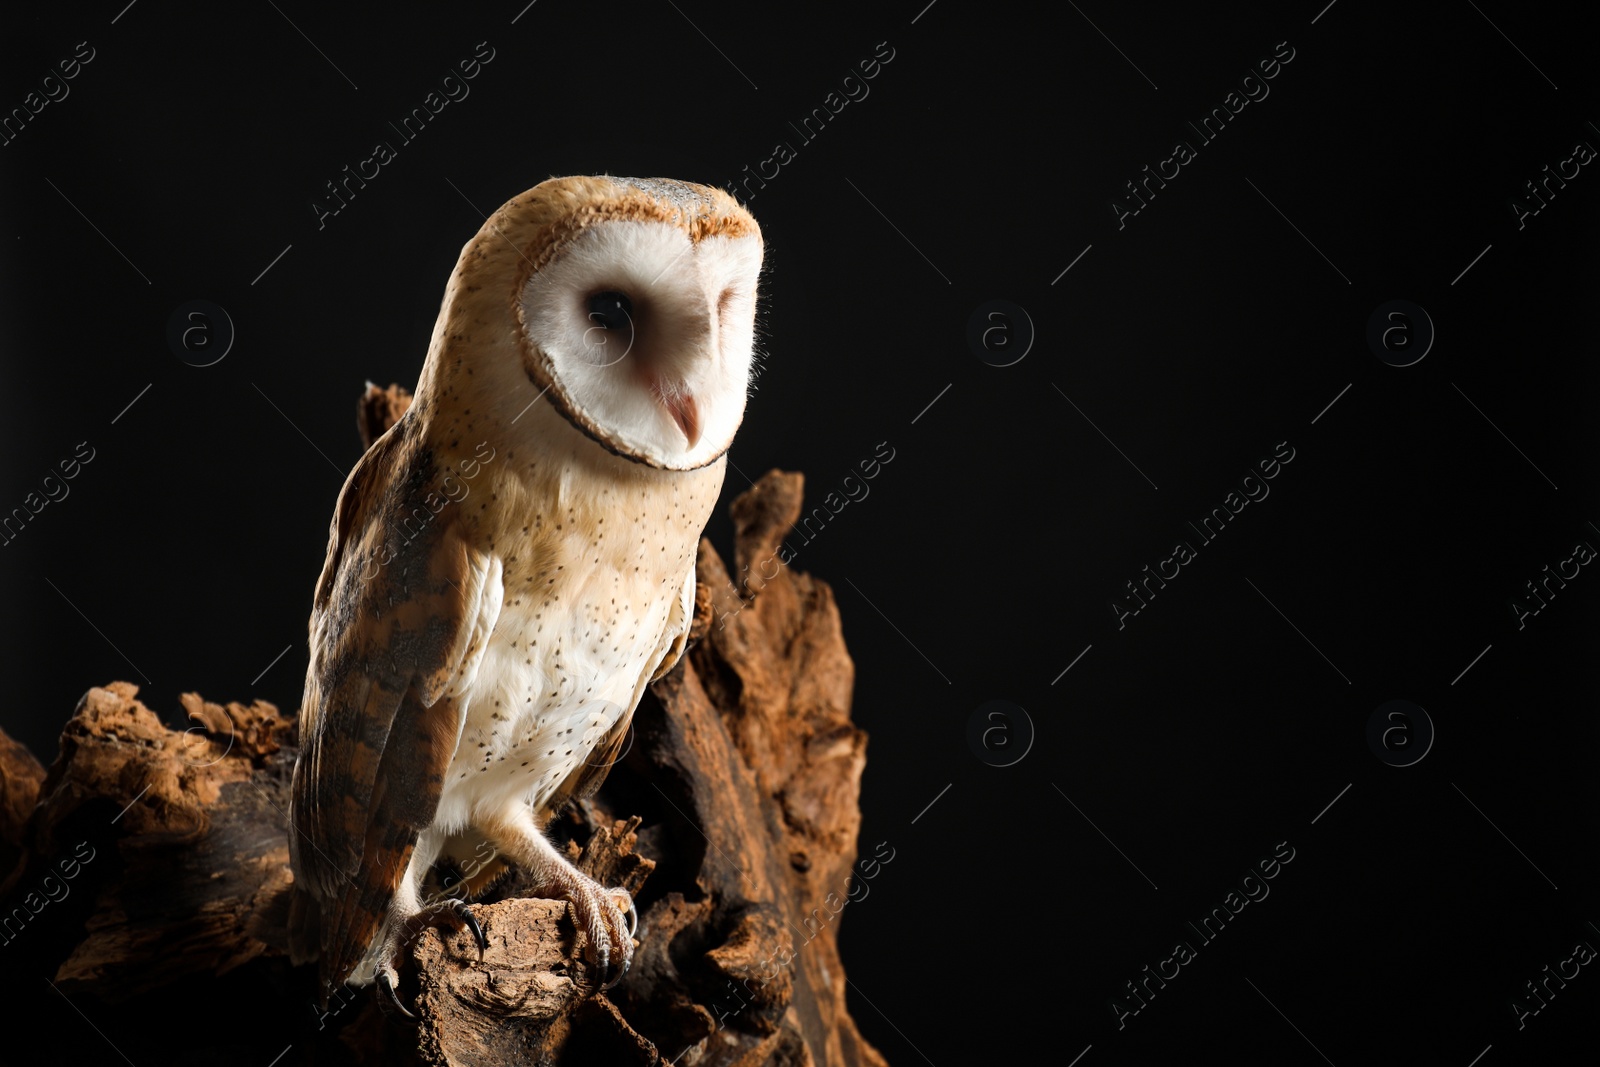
[{"x": 1197, "y": 337}]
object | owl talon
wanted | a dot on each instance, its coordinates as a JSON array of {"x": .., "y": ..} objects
[
  {"x": 598, "y": 912},
  {"x": 386, "y": 982},
  {"x": 622, "y": 901},
  {"x": 458, "y": 911},
  {"x": 461, "y": 911},
  {"x": 628, "y": 910}
]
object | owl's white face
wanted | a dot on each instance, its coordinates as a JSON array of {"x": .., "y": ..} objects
[{"x": 649, "y": 336}]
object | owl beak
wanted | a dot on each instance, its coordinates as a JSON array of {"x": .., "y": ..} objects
[{"x": 681, "y": 406}]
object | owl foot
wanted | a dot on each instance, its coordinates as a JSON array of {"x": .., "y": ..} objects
[
  {"x": 447, "y": 914},
  {"x": 388, "y": 980},
  {"x": 599, "y": 912},
  {"x": 596, "y": 910},
  {"x": 453, "y": 912}
]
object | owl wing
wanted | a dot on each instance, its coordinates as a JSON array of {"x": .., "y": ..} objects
[
  {"x": 676, "y": 636},
  {"x": 401, "y": 618},
  {"x": 589, "y": 775}
]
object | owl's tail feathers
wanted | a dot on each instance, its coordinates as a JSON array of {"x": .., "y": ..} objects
[
  {"x": 305, "y": 927},
  {"x": 290, "y": 920},
  {"x": 305, "y": 939}
]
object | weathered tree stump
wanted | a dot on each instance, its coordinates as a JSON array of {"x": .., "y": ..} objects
[{"x": 149, "y": 866}]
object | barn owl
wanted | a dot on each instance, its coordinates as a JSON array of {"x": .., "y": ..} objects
[{"x": 513, "y": 561}]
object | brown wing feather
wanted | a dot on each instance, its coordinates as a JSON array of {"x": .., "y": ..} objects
[
  {"x": 397, "y": 613},
  {"x": 676, "y": 638}
]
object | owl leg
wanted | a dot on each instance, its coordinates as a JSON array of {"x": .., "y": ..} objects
[
  {"x": 409, "y": 914},
  {"x": 602, "y": 914}
]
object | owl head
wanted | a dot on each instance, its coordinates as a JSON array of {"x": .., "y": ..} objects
[{"x": 632, "y": 314}]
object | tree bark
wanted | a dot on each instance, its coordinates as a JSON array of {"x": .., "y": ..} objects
[{"x": 149, "y": 867}]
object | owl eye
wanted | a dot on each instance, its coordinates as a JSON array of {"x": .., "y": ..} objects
[{"x": 611, "y": 310}]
